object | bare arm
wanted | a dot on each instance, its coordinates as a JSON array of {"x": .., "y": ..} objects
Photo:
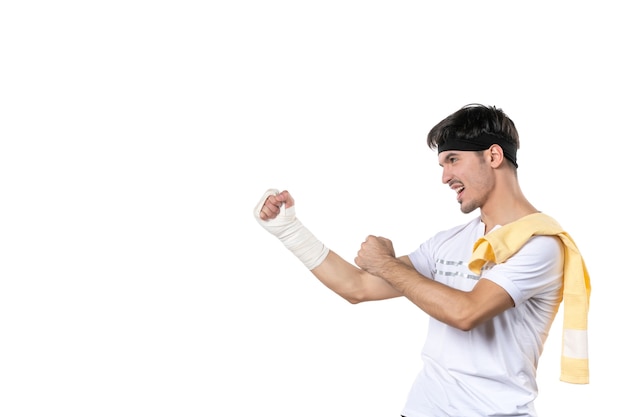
[
  {"x": 380, "y": 275},
  {"x": 461, "y": 309},
  {"x": 345, "y": 279},
  {"x": 353, "y": 284}
]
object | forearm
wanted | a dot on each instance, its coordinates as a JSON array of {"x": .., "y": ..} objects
[
  {"x": 292, "y": 233},
  {"x": 352, "y": 283},
  {"x": 444, "y": 303},
  {"x": 345, "y": 279}
]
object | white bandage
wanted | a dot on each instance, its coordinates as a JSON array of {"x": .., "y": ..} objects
[{"x": 288, "y": 229}]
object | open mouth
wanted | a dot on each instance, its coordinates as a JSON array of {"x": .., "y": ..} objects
[
  {"x": 459, "y": 193},
  {"x": 458, "y": 189}
]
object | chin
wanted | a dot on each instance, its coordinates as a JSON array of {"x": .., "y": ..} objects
[{"x": 468, "y": 208}]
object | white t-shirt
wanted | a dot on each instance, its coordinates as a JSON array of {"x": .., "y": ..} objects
[{"x": 491, "y": 369}]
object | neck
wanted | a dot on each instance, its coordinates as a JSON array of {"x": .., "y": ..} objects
[{"x": 505, "y": 206}]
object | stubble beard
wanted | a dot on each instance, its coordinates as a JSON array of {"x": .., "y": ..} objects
[{"x": 469, "y": 207}]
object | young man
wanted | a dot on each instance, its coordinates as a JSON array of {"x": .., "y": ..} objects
[{"x": 491, "y": 305}]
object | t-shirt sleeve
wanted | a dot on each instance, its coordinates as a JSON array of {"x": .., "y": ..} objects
[
  {"x": 422, "y": 260},
  {"x": 535, "y": 269}
]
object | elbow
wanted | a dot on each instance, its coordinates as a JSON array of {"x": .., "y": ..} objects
[
  {"x": 352, "y": 300},
  {"x": 470, "y": 314},
  {"x": 464, "y": 324},
  {"x": 354, "y": 297},
  {"x": 464, "y": 319},
  {"x": 354, "y": 292},
  {"x": 357, "y": 294}
]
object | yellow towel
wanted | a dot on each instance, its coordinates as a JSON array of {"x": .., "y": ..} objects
[{"x": 502, "y": 243}]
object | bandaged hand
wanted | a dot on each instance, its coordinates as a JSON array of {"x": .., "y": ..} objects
[{"x": 289, "y": 230}]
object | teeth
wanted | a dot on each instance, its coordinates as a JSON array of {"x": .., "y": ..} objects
[{"x": 458, "y": 190}]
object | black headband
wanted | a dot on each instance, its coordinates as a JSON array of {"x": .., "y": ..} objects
[{"x": 480, "y": 143}]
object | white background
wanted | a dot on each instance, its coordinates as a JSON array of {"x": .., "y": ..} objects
[{"x": 137, "y": 136}]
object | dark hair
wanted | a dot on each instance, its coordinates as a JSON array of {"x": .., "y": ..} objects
[{"x": 471, "y": 121}]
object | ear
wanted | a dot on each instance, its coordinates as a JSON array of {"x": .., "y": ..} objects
[{"x": 495, "y": 156}]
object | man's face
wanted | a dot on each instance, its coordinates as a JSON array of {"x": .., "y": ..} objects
[{"x": 469, "y": 175}]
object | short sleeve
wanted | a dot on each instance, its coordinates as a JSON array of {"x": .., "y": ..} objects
[{"x": 535, "y": 270}]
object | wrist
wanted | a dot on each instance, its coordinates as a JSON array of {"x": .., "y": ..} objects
[{"x": 292, "y": 233}]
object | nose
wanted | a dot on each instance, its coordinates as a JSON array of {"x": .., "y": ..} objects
[{"x": 445, "y": 175}]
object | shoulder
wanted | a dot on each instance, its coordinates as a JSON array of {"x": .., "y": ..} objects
[
  {"x": 471, "y": 229},
  {"x": 453, "y": 244},
  {"x": 542, "y": 248},
  {"x": 537, "y": 268},
  {"x": 538, "y": 255}
]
